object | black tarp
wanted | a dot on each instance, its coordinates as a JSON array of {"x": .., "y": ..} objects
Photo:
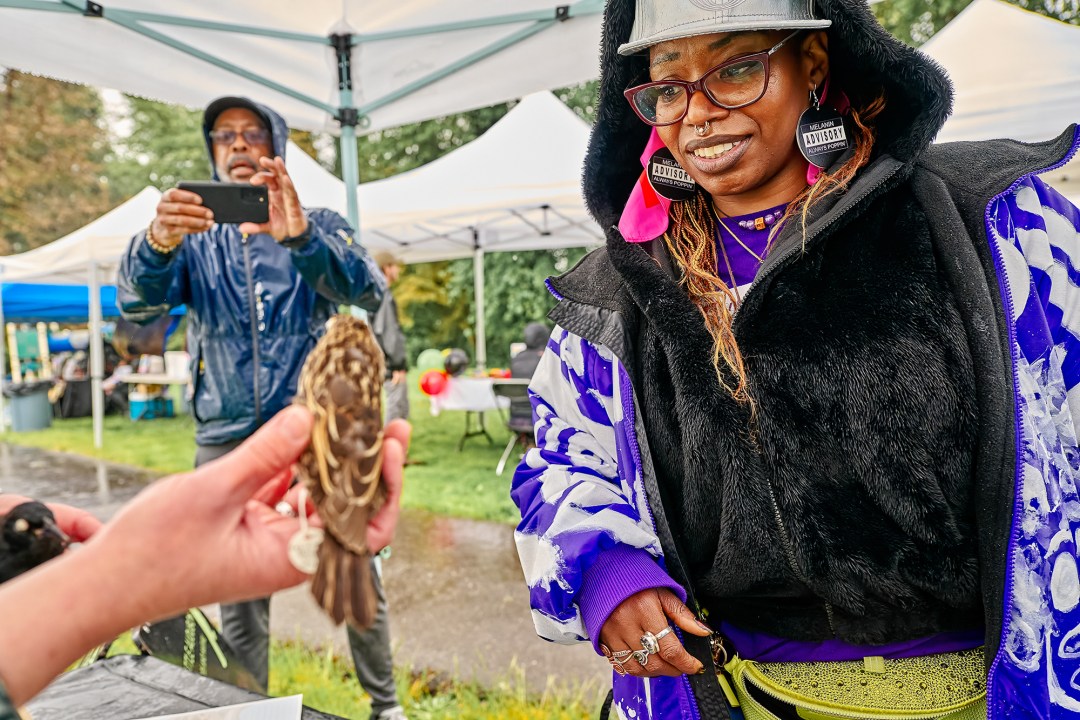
[{"x": 128, "y": 687}]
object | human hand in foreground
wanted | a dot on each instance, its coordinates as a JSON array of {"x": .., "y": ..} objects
[
  {"x": 179, "y": 213},
  {"x": 287, "y": 217},
  {"x": 398, "y": 377},
  {"x": 77, "y": 524},
  {"x": 652, "y": 611},
  {"x": 381, "y": 526},
  {"x": 186, "y": 541}
]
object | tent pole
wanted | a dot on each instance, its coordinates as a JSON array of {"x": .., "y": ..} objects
[
  {"x": 97, "y": 356},
  {"x": 478, "y": 295},
  {"x": 349, "y": 119},
  {"x": 350, "y": 175}
]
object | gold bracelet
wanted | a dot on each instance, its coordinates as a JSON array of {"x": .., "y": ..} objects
[{"x": 155, "y": 245}]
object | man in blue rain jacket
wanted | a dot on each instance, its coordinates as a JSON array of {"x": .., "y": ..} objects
[{"x": 258, "y": 297}]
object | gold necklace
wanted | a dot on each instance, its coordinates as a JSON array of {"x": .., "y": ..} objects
[
  {"x": 731, "y": 273},
  {"x": 753, "y": 254}
]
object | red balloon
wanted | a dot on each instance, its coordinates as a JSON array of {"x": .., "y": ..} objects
[{"x": 433, "y": 382}]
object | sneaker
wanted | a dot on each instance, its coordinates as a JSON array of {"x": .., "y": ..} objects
[{"x": 395, "y": 713}]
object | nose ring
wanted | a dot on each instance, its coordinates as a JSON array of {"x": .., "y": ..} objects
[{"x": 702, "y": 130}]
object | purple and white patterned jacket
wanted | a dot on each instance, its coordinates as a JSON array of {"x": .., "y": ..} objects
[{"x": 584, "y": 506}]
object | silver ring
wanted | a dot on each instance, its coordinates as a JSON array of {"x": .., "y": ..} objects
[
  {"x": 651, "y": 643},
  {"x": 642, "y": 656},
  {"x": 284, "y": 508}
]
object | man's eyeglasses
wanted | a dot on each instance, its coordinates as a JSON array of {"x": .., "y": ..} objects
[
  {"x": 252, "y": 136},
  {"x": 736, "y": 83}
]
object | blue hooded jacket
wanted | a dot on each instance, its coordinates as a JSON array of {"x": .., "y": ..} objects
[{"x": 255, "y": 306}]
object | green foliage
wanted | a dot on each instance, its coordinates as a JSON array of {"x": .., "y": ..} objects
[
  {"x": 165, "y": 146},
  {"x": 328, "y": 683},
  {"x": 916, "y": 21},
  {"x": 581, "y": 99},
  {"x": 435, "y": 302},
  {"x": 52, "y": 149},
  {"x": 515, "y": 295},
  {"x": 1064, "y": 10}
]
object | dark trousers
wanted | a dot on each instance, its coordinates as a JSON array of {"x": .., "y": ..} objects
[{"x": 246, "y": 628}]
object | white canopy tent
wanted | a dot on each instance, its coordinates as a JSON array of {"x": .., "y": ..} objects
[
  {"x": 90, "y": 256},
  {"x": 516, "y": 187},
  {"x": 326, "y": 65},
  {"x": 1015, "y": 74}
]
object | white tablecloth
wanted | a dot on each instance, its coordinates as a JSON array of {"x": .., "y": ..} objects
[{"x": 472, "y": 394}]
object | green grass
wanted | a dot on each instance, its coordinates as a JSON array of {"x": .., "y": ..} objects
[
  {"x": 443, "y": 480},
  {"x": 328, "y": 683},
  {"x": 164, "y": 446}
]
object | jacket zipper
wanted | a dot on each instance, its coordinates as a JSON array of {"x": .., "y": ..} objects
[
  {"x": 1018, "y": 497},
  {"x": 255, "y": 358},
  {"x": 789, "y": 552}
]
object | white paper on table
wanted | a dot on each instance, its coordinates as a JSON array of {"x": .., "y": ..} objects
[{"x": 283, "y": 708}]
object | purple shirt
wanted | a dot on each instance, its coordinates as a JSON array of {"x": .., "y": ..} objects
[{"x": 747, "y": 251}]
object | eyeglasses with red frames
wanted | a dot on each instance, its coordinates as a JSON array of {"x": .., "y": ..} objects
[
  {"x": 733, "y": 84},
  {"x": 252, "y": 136}
]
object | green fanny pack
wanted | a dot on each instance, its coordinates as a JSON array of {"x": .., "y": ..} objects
[{"x": 946, "y": 686}]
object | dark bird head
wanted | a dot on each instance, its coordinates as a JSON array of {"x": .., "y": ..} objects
[{"x": 31, "y": 528}]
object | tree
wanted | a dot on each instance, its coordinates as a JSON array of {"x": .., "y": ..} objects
[
  {"x": 1064, "y": 10},
  {"x": 916, "y": 21},
  {"x": 515, "y": 295},
  {"x": 52, "y": 148},
  {"x": 165, "y": 146}
]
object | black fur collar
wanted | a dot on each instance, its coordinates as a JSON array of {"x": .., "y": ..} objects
[{"x": 866, "y": 60}]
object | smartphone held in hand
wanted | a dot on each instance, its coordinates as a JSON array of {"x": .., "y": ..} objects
[{"x": 232, "y": 202}]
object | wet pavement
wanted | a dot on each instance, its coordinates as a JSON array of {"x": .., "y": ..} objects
[{"x": 458, "y": 601}]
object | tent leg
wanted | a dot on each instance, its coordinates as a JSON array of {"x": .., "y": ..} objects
[
  {"x": 97, "y": 357},
  {"x": 478, "y": 294},
  {"x": 350, "y": 174}
]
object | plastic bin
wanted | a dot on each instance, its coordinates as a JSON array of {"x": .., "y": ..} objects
[
  {"x": 143, "y": 407},
  {"x": 29, "y": 405}
]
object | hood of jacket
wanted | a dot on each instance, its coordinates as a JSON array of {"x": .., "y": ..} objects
[
  {"x": 865, "y": 61},
  {"x": 279, "y": 133}
]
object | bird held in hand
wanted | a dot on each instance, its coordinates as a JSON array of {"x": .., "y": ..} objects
[
  {"x": 29, "y": 537},
  {"x": 341, "y": 384}
]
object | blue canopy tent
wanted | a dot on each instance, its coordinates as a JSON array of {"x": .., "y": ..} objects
[{"x": 24, "y": 302}]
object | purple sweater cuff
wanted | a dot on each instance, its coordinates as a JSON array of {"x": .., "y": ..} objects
[{"x": 617, "y": 574}]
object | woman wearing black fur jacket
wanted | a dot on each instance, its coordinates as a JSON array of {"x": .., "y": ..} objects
[{"x": 820, "y": 390}]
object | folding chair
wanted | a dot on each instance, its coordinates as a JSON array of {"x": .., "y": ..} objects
[{"x": 519, "y": 418}]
